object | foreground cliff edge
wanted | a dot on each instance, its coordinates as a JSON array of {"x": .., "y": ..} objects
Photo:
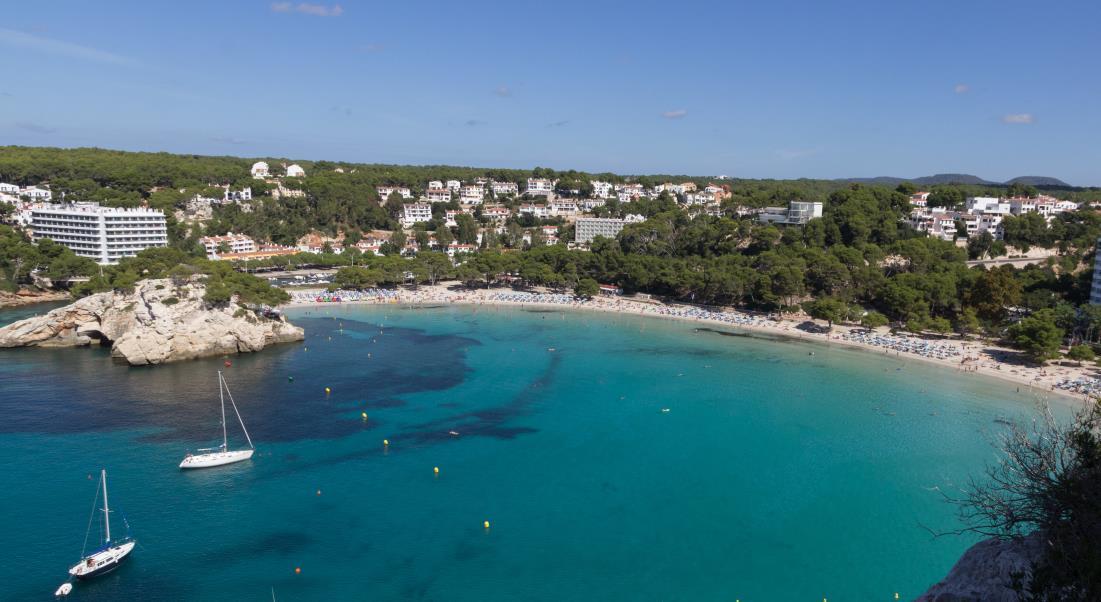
[
  {"x": 159, "y": 321},
  {"x": 987, "y": 570}
]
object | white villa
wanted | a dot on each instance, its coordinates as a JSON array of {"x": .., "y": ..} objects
[
  {"x": 471, "y": 195},
  {"x": 539, "y": 186},
  {"x": 539, "y": 211},
  {"x": 237, "y": 196},
  {"x": 415, "y": 212},
  {"x": 563, "y": 207},
  {"x": 496, "y": 213},
  {"x": 602, "y": 190},
  {"x": 236, "y": 243},
  {"x": 36, "y": 194},
  {"x": 505, "y": 188},
  {"x": 438, "y": 195},
  {"x": 384, "y": 192}
]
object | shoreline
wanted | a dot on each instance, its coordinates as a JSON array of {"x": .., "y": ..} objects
[
  {"x": 981, "y": 358},
  {"x": 13, "y": 300}
]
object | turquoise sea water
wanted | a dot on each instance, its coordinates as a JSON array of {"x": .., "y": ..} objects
[{"x": 775, "y": 475}]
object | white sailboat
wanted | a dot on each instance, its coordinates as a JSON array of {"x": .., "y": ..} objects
[
  {"x": 218, "y": 456},
  {"x": 108, "y": 556}
]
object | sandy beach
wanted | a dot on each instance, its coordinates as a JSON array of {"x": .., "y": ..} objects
[{"x": 972, "y": 356}]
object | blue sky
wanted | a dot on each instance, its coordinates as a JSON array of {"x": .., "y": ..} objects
[{"x": 780, "y": 89}]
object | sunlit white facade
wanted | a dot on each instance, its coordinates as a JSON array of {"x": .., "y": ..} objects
[{"x": 104, "y": 234}]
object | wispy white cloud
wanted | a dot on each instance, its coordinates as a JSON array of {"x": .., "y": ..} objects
[
  {"x": 26, "y": 41},
  {"x": 317, "y": 10},
  {"x": 227, "y": 140},
  {"x": 1019, "y": 118},
  {"x": 502, "y": 91},
  {"x": 374, "y": 47},
  {"x": 962, "y": 89},
  {"x": 37, "y": 128},
  {"x": 789, "y": 154},
  {"x": 675, "y": 114}
]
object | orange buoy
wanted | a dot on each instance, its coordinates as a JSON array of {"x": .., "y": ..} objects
[
  {"x": 297, "y": 570},
  {"x": 228, "y": 363}
]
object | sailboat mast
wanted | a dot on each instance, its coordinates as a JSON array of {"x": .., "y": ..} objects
[
  {"x": 239, "y": 419},
  {"x": 222, "y": 398},
  {"x": 106, "y": 510}
]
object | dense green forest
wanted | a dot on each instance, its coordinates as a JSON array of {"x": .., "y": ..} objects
[
  {"x": 348, "y": 200},
  {"x": 19, "y": 258},
  {"x": 860, "y": 262}
]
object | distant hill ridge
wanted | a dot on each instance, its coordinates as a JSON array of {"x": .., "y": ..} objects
[{"x": 960, "y": 178}]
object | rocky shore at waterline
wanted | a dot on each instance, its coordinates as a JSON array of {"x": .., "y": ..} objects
[
  {"x": 30, "y": 297},
  {"x": 986, "y": 571},
  {"x": 159, "y": 321}
]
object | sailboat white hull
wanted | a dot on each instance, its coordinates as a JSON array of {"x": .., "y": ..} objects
[
  {"x": 215, "y": 458},
  {"x": 102, "y": 562}
]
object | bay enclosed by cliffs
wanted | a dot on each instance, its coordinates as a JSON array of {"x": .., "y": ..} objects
[{"x": 774, "y": 475}]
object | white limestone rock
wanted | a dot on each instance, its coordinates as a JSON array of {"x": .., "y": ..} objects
[{"x": 157, "y": 322}]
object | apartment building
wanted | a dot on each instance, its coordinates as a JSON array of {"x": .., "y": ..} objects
[
  {"x": 588, "y": 228},
  {"x": 104, "y": 234}
]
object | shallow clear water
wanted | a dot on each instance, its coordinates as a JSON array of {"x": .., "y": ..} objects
[{"x": 775, "y": 475}]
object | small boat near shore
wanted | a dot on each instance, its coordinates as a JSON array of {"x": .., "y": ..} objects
[{"x": 221, "y": 455}]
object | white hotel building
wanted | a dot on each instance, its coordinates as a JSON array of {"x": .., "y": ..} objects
[
  {"x": 588, "y": 228},
  {"x": 105, "y": 234}
]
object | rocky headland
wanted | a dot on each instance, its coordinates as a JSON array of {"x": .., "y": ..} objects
[
  {"x": 29, "y": 297},
  {"x": 158, "y": 321},
  {"x": 986, "y": 571}
]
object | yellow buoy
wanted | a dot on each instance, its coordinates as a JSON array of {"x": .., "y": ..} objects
[
  {"x": 436, "y": 470},
  {"x": 486, "y": 524},
  {"x": 328, "y": 390},
  {"x": 386, "y": 442},
  {"x": 364, "y": 414}
]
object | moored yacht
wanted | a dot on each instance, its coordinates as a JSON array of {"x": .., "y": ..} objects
[
  {"x": 108, "y": 556},
  {"x": 221, "y": 455}
]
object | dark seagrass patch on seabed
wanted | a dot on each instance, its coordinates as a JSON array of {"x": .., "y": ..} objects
[{"x": 179, "y": 401}]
